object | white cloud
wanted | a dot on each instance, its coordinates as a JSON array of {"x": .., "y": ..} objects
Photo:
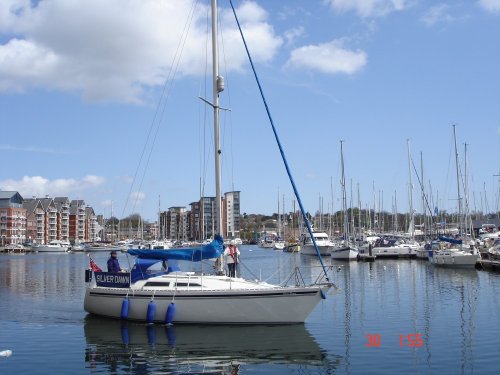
[
  {"x": 492, "y": 6},
  {"x": 368, "y": 8},
  {"x": 40, "y": 186},
  {"x": 328, "y": 58},
  {"x": 437, "y": 14},
  {"x": 292, "y": 34},
  {"x": 116, "y": 49}
]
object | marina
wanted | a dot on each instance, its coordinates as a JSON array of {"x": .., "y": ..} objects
[
  {"x": 350, "y": 284},
  {"x": 454, "y": 310}
]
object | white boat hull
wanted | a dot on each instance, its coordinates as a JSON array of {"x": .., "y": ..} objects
[
  {"x": 394, "y": 252},
  {"x": 279, "y": 245},
  {"x": 453, "y": 258},
  {"x": 310, "y": 250},
  {"x": 273, "y": 306},
  {"x": 344, "y": 253},
  {"x": 422, "y": 253},
  {"x": 51, "y": 249}
]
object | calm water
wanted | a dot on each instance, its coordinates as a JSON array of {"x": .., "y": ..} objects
[{"x": 457, "y": 312}]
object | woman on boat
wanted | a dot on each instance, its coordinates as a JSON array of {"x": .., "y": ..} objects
[{"x": 232, "y": 257}]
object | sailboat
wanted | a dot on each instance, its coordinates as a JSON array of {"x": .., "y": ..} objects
[
  {"x": 279, "y": 244},
  {"x": 455, "y": 253},
  {"x": 397, "y": 246},
  {"x": 173, "y": 296},
  {"x": 346, "y": 249}
]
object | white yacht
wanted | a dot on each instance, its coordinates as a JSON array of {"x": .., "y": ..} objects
[
  {"x": 344, "y": 251},
  {"x": 423, "y": 251},
  {"x": 54, "y": 246},
  {"x": 267, "y": 239},
  {"x": 171, "y": 296},
  {"x": 322, "y": 241},
  {"x": 146, "y": 295},
  {"x": 279, "y": 245},
  {"x": 395, "y": 248},
  {"x": 454, "y": 254}
]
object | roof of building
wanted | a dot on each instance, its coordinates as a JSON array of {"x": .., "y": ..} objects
[
  {"x": 31, "y": 204},
  {"x": 5, "y": 194},
  {"x": 61, "y": 200},
  {"x": 46, "y": 203},
  {"x": 74, "y": 205}
]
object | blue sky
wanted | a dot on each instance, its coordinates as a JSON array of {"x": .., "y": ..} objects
[{"x": 80, "y": 82}]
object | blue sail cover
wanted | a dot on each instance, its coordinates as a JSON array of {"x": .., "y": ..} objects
[
  {"x": 450, "y": 240},
  {"x": 194, "y": 254}
]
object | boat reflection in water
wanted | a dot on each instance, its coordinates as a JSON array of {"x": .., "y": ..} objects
[{"x": 117, "y": 346}]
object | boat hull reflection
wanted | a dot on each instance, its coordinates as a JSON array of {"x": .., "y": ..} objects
[{"x": 113, "y": 344}]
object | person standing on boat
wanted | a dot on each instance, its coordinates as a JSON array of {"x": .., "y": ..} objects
[
  {"x": 232, "y": 257},
  {"x": 113, "y": 265}
]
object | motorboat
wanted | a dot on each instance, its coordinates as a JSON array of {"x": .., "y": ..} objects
[
  {"x": 53, "y": 246},
  {"x": 267, "y": 239},
  {"x": 322, "y": 241},
  {"x": 279, "y": 245},
  {"x": 344, "y": 251}
]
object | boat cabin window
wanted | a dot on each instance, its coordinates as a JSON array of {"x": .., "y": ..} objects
[
  {"x": 156, "y": 283},
  {"x": 187, "y": 284}
]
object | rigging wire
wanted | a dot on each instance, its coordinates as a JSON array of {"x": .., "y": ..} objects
[
  {"x": 282, "y": 152},
  {"x": 160, "y": 109}
]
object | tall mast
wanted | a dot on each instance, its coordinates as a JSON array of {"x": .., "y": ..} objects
[
  {"x": 344, "y": 198},
  {"x": 458, "y": 181},
  {"x": 410, "y": 192},
  {"x": 424, "y": 212},
  {"x": 218, "y": 86},
  {"x": 359, "y": 215}
]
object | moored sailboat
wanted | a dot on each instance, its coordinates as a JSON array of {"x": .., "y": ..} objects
[
  {"x": 173, "y": 296},
  {"x": 456, "y": 253},
  {"x": 344, "y": 250}
]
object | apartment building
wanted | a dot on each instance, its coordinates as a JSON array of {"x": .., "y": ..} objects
[
  {"x": 177, "y": 224},
  {"x": 194, "y": 221},
  {"x": 62, "y": 206},
  {"x": 12, "y": 218},
  {"x": 207, "y": 217},
  {"x": 35, "y": 220},
  {"x": 50, "y": 219},
  {"x": 231, "y": 214},
  {"x": 92, "y": 227},
  {"x": 77, "y": 221}
]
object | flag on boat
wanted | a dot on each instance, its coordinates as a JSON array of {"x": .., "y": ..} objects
[{"x": 94, "y": 266}]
